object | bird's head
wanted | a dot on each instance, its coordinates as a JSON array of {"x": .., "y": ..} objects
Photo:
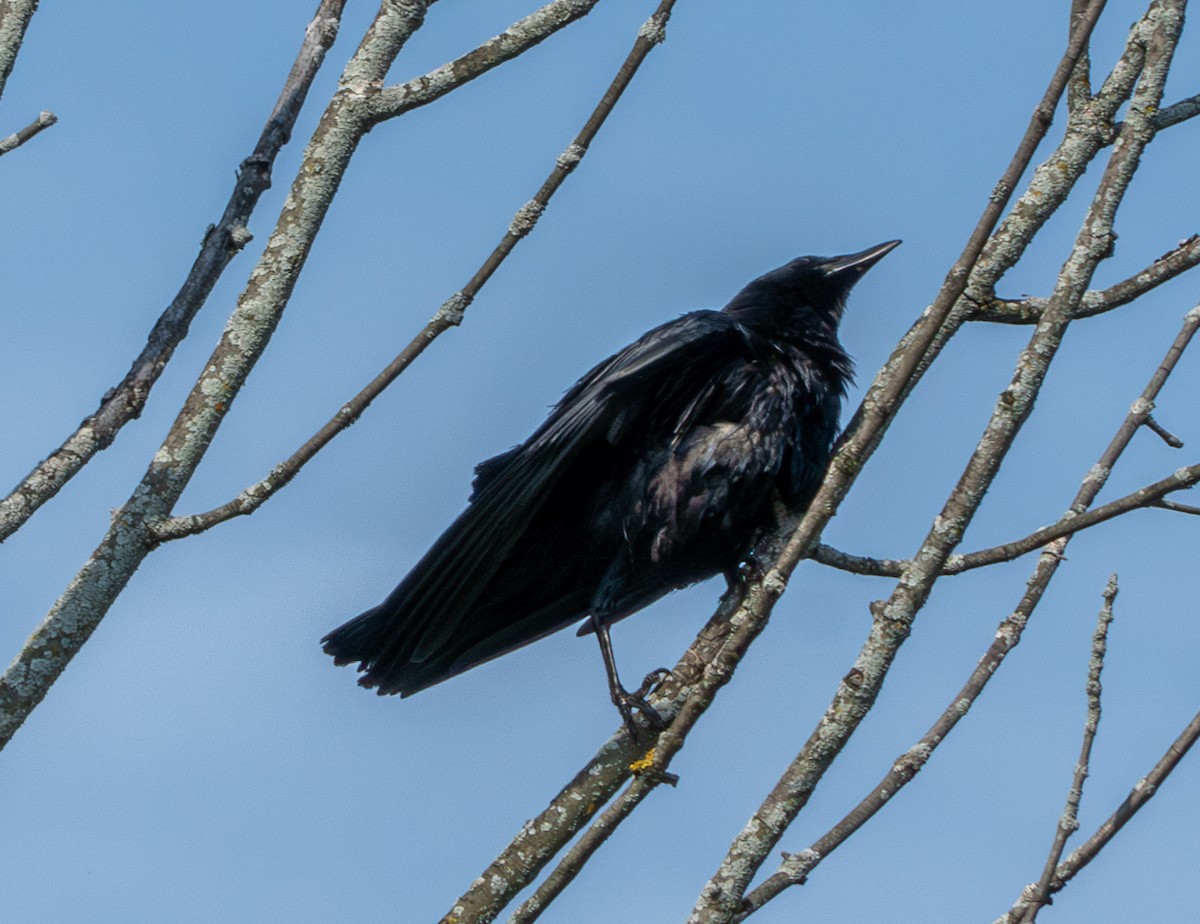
[{"x": 807, "y": 293}]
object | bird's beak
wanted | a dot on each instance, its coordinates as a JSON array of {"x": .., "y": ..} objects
[{"x": 851, "y": 266}]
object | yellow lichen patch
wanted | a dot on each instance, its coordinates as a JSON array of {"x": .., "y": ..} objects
[{"x": 644, "y": 764}]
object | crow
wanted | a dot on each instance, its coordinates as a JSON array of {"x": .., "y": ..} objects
[{"x": 656, "y": 470}]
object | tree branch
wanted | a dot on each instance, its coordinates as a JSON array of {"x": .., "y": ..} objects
[
  {"x": 14, "y": 20},
  {"x": 1177, "y": 112},
  {"x": 452, "y": 311},
  {"x": 1173, "y": 263},
  {"x": 1145, "y": 790},
  {"x": 36, "y": 127},
  {"x": 222, "y": 242},
  {"x": 797, "y": 866},
  {"x": 1149, "y": 496},
  {"x": 1179, "y": 508},
  {"x": 721, "y": 898},
  {"x": 515, "y": 40},
  {"x": 77, "y": 613},
  {"x": 717, "y": 650},
  {"x": 1068, "y": 824}
]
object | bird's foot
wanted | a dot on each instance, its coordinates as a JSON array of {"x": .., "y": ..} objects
[
  {"x": 628, "y": 703},
  {"x": 653, "y": 681}
]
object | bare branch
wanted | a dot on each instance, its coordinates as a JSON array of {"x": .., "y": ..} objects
[
  {"x": 1149, "y": 496},
  {"x": 583, "y": 849},
  {"x": 36, "y": 127},
  {"x": 1177, "y": 112},
  {"x": 721, "y": 898},
  {"x": 1175, "y": 262},
  {"x": 718, "y": 649},
  {"x": 1179, "y": 508},
  {"x": 77, "y": 613},
  {"x": 221, "y": 243},
  {"x": 797, "y": 866},
  {"x": 513, "y": 41},
  {"x": 451, "y": 312},
  {"x": 1162, "y": 433},
  {"x": 14, "y": 20},
  {"x": 1142, "y": 792},
  {"x": 1068, "y": 824}
]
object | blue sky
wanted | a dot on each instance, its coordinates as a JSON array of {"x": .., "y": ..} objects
[{"x": 202, "y": 760}]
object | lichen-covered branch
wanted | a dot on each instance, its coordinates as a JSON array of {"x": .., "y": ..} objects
[
  {"x": 710, "y": 660},
  {"x": 1068, "y": 823},
  {"x": 582, "y": 850},
  {"x": 88, "y": 597},
  {"x": 1090, "y": 128},
  {"x": 720, "y": 899},
  {"x": 1149, "y": 496},
  {"x": 14, "y": 20},
  {"x": 222, "y": 242},
  {"x": 1174, "y": 262},
  {"x": 451, "y": 313},
  {"x": 1177, "y": 112},
  {"x": 797, "y": 866},
  {"x": 1145, "y": 790},
  {"x": 33, "y": 129},
  {"x": 513, "y": 41}
]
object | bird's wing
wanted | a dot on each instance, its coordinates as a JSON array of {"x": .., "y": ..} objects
[
  {"x": 662, "y": 368},
  {"x": 615, "y": 399}
]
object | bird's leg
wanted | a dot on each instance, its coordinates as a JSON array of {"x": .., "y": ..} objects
[{"x": 625, "y": 701}]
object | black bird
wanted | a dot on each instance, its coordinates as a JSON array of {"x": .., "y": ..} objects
[{"x": 657, "y": 469}]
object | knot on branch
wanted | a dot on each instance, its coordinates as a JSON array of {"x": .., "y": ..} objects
[
  {"x": 453, "y": 309},
  {"x": 654, "y": 30},
  {"x": 1141, "y": 407},
  {"x": 527, "y": 216},
  {"x": 239, "y": 237},
  {"x": 796, "y": 866},
  {"x": 569, "y": 159}
]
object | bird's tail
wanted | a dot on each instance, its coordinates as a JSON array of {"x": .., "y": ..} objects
[{"x": 358, "y": 640}]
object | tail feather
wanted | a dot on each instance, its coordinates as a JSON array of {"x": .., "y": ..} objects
[{"x": 453, "y": 600}]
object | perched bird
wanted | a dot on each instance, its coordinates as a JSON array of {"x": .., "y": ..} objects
[{"x": 657, "y": 469}]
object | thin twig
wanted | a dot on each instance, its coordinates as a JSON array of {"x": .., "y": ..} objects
[
  {"x": 1163, "y": 433},
  {"x": 1174, "y": 263},
  {"x": 515, "y": 40},
  {"x": 451, "y": 313},
  {"x": 1177, "y": 112},
  {"x": 222, "y": 242},
  {"x": 1149, "y": 496},
  {"x": 1068, "y": 823},
  {"x": 1145, "y": 790},
  {"x": 44, "y": 120},
  {"x": 1178, "y": 508},
  {"x": 797, "y": 866}
]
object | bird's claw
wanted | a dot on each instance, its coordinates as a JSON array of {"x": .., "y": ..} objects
[
  {"x": 627, "y": 703},
  {"x": 652, "y": 682}
]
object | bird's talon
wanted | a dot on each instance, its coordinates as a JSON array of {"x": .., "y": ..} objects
[
  {"x": 652, "y": 682},
  {"x": 627, "y": 703}
]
